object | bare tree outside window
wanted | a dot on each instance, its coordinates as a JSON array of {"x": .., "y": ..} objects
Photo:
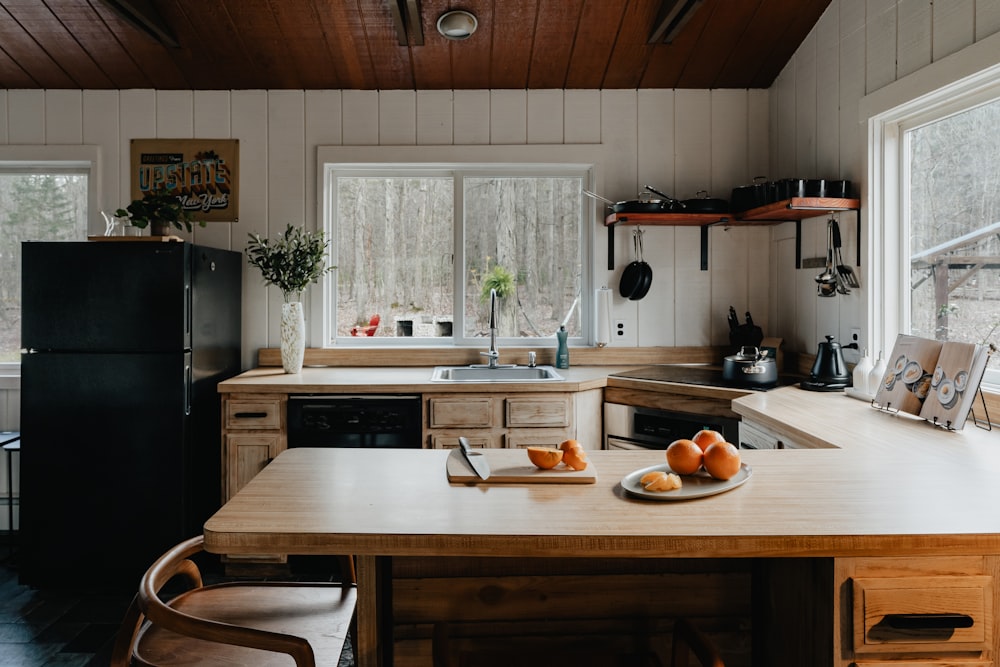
[{"x": 954, "y": 214}]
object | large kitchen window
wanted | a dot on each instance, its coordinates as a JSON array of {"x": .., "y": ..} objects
[
  {"x": 45, "y": 201},
  {"x": 936, "y": 193},
  {"x": 419, "y": 247}
]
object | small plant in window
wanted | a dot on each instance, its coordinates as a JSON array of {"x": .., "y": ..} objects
[{"x": 499, "y": 279}]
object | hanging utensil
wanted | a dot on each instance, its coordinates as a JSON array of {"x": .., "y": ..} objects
[
  {"x": 843, "y": 269},
  {"x": 826, "y": 282},
  {"x": 638, "y": 275}
]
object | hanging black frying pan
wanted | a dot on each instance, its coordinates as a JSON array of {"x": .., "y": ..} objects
[{"x": 638, "y": 275}]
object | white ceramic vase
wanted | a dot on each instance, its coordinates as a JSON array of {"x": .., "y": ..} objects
[{"x": 293, "y": 336}]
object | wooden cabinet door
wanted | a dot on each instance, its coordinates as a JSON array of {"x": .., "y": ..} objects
[{"x": 247, "y": 455}]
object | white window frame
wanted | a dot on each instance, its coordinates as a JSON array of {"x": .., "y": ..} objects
[
  {"x": 513, "y": 160},
  {"x": 948, "y": 86},
  {"x": 83, "y": 157}
]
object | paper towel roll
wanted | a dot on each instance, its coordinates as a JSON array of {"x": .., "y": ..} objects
[{"x": 603, "y": 316}]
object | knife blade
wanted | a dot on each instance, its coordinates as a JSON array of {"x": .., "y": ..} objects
[{"x": 475, "y": 459}]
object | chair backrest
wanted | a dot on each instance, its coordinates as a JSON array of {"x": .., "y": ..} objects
[
  {"x": 687, "y": 640},
  {"x": 147, "y": 606}
]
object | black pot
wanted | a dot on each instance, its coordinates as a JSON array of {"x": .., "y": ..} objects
[
  {"x": 702, "y": 203},
  {"x": 788, "y": 188},
  {"x": 750, "y": 368},
  {"x": 746, "y": 197}
]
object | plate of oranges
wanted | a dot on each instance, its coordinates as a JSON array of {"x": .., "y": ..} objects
[{"x": 703, "y": 465}]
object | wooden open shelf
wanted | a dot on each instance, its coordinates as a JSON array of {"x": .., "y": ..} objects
[{"x": 788, "y": 210}]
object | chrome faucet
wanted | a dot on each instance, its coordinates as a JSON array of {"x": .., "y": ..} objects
[{"x": 493, "y": 355}]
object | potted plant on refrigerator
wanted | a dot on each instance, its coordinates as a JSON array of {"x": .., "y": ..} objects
[
  {"x": 291, "y": 262},
  {"x": 160, "y": 210}
]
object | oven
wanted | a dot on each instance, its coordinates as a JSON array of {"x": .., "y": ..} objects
[
  {"x": 357, "y": 420},
  {"x": 631, "y": 427}
]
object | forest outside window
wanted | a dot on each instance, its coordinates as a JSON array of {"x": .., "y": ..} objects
[{"x": 418, "y": 249}]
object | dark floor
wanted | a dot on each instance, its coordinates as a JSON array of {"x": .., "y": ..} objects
[{"x": 54, "y": 628}]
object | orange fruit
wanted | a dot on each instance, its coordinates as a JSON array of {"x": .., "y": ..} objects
[
  {"x": 684, "y": 456},
  {"x": 575, "y": 457},
  {"x": 545, "y": 457},
  {"x": 570, "y": 444},
  {"x": 706, "y": 437},
  {"x": 667, "y": 482},
  {"x": 722, "y": 460},
  {"x": 652, "y": 476}
]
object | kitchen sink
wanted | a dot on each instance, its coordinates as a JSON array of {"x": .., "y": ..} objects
[{"x": 498, "y": 374}]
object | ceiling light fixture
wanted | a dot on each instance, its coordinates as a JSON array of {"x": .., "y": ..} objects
[{"x": 457, "y": 24}]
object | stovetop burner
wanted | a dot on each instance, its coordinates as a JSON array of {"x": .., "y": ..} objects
[{"x": 710, "y": 376}]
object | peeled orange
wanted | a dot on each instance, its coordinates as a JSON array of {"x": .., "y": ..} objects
[
  {"x": 722, "y": 460},
  {"x": 684, "y": 456},
  {"x": 545, "y": 457},
  {"x": 575, "y": 457},
  {"x": 667, "y": 482},
  {"x": 706, "y": 437}
]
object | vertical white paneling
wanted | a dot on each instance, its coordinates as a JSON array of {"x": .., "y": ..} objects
[
  {"x": 954, "y": 26},
  {"x": 692, "y": 287},
  {"x": 4, "y": 117},
  {"x": 63, "y": 116},
  {"x": 880, "y": 44},
  {"x": 137, "y": 112},
  {"x": 619, "y": 129},
  {"x": 914, "y": 48},
  {"x": 784, "y": 144},
  {"x": 26, "y": 116},
  {"x": 212, "y": 120},
  {"x": 472, "y": 117},
  {"x": 508, "y": 118},
  {"x": 249, "y": 125},
  {"x": 174, "y": 114},
  {"x": 852, "y": 89},
  {"x": 987, "y": 18},
  {"x": 828, "y": 95},
  {"x": 692, "y": 141},
  {"x": 852, "y": 14},
  {"x": 360, "y": 117},
  {"x": 730, "y": 142},
  {"x": 397, "y": 117},
  {"x": 727, "y": 264},
  {"x": 806, "y": 84},
  {"x": 758, "y": 137},
  {"x": 435, "y": 123},
  {"x": 783, "y": 323},
  {"x": 322, "y": 128},
  {"x": 100, "y": 128},
  {"x": 545, "y": 117},
  {"x": 758, "y": 252},
  {"x": 582, "y": 111},
  {"x": 655, "y": 167}
]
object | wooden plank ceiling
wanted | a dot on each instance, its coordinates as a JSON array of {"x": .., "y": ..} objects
[{"x": 354, "y": 44}]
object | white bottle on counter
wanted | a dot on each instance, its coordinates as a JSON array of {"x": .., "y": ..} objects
[
  {"x": 859, "y": 377},
  {"x": 876, "y": 375}
]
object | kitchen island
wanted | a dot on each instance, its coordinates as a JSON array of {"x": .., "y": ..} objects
[{"x": 892, "y": 508}]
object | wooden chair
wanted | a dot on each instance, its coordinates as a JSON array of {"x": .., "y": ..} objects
[{"x": 233, "y": 623}]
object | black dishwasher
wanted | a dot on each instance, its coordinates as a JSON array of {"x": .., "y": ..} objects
[{"x": 356, "y": 420}]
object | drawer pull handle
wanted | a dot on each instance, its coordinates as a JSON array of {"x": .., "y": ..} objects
[
  {"x": 250, "y": 415},
  {"x": 929, "y": 621}
]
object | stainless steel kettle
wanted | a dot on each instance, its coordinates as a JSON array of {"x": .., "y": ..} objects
[{"x": 829, "y": 371}]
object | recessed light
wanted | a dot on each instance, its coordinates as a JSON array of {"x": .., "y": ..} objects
[{"x": 457, "y": 24}]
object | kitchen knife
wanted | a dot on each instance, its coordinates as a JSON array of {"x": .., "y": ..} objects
[{"x": 475, "y": 459}]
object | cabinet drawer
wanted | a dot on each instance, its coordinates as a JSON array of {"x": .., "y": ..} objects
[
  {"x": 249, "y": 414},
  {"x": 923, "y": 614},
  {"x": 457, "y": 411},
  {"x": 440, "y": 441},
  {"x": 533, "y": 437},
  {"x": 537, "y": 411}
]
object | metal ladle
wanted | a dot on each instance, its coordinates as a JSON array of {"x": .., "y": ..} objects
[{"x": 826, "y": 282}]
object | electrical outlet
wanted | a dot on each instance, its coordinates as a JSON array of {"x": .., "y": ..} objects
[
  {"x": 856, "y": 338},
  {"x": 620, "y": 328}
]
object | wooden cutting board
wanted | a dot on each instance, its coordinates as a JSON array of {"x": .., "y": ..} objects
[{"x": 511, "y": 466}]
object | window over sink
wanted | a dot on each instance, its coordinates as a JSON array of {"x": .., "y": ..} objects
[{"x": 418, "y": 246}]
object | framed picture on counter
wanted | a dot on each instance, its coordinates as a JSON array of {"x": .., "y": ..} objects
[{"x": 204, "y": 173}]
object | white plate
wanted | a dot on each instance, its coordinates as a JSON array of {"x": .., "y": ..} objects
[{"x": 698, "y": 485}]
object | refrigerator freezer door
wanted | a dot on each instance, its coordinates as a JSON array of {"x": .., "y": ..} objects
[
  {"x": 103, "y": 463},
  {"x": 106, "y": 297}
]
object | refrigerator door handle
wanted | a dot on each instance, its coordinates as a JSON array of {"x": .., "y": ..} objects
[{"x": 188, "y": 379}]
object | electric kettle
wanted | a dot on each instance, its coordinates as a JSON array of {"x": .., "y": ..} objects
[{"x": 829, "y": 371}]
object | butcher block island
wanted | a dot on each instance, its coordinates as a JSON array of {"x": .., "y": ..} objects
[{"x": 876, "y": 546}]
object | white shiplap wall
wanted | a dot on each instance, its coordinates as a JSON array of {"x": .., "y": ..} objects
[{"x": 856, "y": 48}]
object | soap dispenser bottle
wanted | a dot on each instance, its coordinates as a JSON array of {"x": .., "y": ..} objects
[{"x": 562, "y": 353}]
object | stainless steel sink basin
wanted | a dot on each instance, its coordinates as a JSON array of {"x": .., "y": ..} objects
[{"x": 499, "y": 374}]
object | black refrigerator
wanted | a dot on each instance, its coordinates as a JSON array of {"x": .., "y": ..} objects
[{"x": 123, "y": 346}]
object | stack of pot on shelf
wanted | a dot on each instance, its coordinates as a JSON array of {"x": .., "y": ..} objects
[{"x": 763, "y": 192}]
